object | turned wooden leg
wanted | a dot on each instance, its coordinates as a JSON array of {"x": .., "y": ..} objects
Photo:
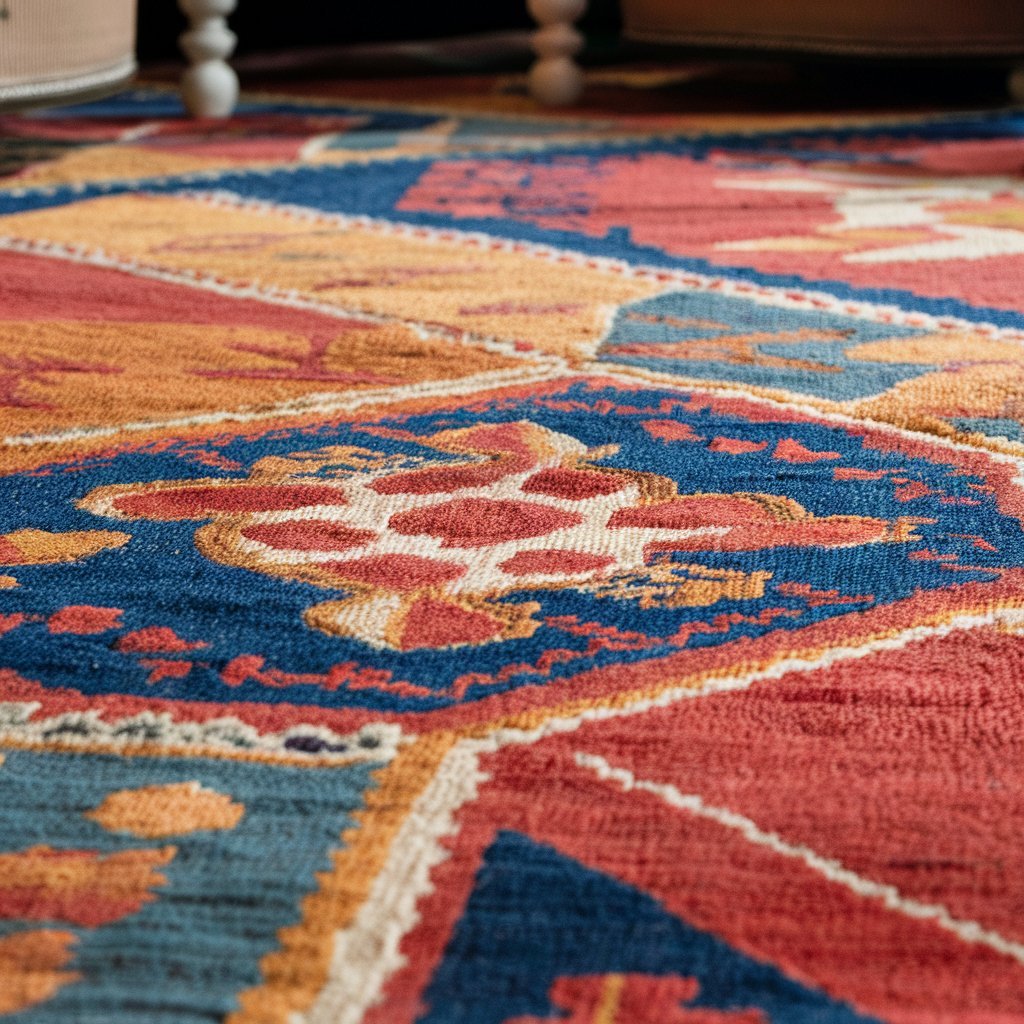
[
  {"x": 555, "y": 78},
  {"x": 209, "y": 87}
]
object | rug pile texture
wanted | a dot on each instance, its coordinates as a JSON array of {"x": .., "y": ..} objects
[{"x": 466, "y": 565}]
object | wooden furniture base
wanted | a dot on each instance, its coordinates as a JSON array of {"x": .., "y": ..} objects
[
  {"x": 555, "y": 78},
  {"x": 209, "y": 87}
]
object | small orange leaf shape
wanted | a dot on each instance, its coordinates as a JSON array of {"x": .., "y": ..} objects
[
  {"x": 41, "y": 547},
  {"x": 30, "y": 967},
  {"x": 82, "y": 887},
  {"x": 173, "y": 809}
]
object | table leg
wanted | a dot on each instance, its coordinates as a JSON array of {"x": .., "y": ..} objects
[
  {"x": 555, "y": 78},
  {"x": 209, "y": 88}
]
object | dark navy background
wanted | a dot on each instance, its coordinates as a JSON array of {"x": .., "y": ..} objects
[{"x": 160, "y": 579}]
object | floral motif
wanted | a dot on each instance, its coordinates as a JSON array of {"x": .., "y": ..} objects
[{"x": 428, "y": 554}]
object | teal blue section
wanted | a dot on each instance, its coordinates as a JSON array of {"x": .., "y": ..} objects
[
  {"x": 818, "y": 365},
  {"x": 468, "y": 130},
  {"x": 993, "y": 426},
  {"x": 184, "y": 956}
]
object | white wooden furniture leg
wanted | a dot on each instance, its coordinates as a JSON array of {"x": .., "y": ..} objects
[
  {"x": 209, "y": 87},
  {"x": 555, "y": 78}
]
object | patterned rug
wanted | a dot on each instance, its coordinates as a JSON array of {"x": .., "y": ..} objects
[{"x": 465, "y": 565}]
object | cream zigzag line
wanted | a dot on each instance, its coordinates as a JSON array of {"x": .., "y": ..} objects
[
  {"x": 256, "y": 290},
  {"x": 161, "y": 733},
  {"x": 367, "y": 953},
  {"x": 555, "y": 364},
  {"x": 768, "y": 295},
  {"x": 833, "y": 870},
  {"x": 667, "y": 278},
  {"x": 328, "y": 403},
  {"x": 551, "y": 367},
  {"x": 389, "y": 912},
  {"x": 537, "y": 367},
  {"x": 321, "y": 403}
]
